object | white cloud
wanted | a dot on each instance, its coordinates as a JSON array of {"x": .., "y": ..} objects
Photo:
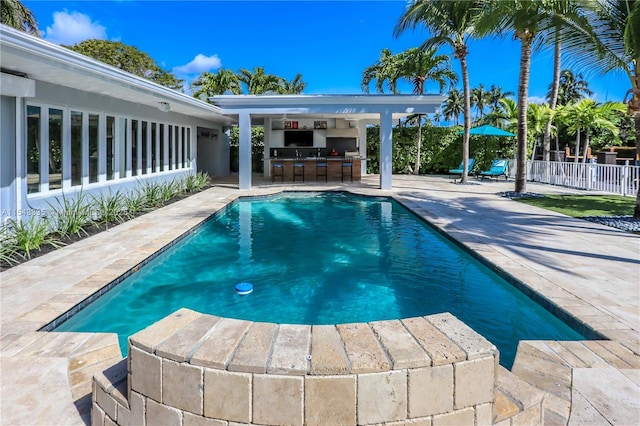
[
  {"x": 199, "y": 64},
  {"x": 72, "y": 28}
]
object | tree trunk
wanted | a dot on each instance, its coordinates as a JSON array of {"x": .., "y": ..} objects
[
  {"x": 555, "y": 85},
  {"x": 586, "y": 146},
  {"x": 523, "y": 93},
  {"x": 467, "y": 119},
  {"x": 576, "y": 154},
  {"x": 419, "y": 144}
]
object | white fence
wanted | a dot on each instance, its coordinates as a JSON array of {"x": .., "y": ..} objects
[{"x": 622, "y": 180}]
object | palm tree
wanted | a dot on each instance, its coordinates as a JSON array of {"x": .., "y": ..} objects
[
  {"x": 293, "y": 87},
  {"x": 495, "y": 95},
  {"x": 453, "y": 106},
  {"x": 14, "y": 14},
  {"x": 258, "y": 82},
  {"x": 571, "y": 88},
  {"x": 480, "y": 98},
  {"x": 525, "y": 19},
  {"x": 385, "y": 69},
  {"x": 615, "y": 46},
  {"x": 538, "y": 115},
  {"x": 223, "y": 82},
  {"x": 451, "y": 23},
  {"x": 505, "y": 116}
]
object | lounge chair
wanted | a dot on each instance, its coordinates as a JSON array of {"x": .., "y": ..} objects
[
  {"x": 498, "y": 168},
  {"x": 458, "y": 171}
]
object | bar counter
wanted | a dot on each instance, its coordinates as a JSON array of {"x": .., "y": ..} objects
[{"x": 334, "y": 169}]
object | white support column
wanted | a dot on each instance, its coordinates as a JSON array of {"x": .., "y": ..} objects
[
  {"x": 102, "y": 148},
  {"x": 244, "y": 151},
  {"x": 362, "y": 146},
  {"x": 21, "y": 178},
  {"x": 386, "y": 133}
]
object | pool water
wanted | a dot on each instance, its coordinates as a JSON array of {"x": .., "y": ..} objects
[{"x": 321, "y": 258}]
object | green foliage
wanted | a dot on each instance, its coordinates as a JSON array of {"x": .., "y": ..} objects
[
  {"x": 135, "y": 203},
  {"x": 257, "y": 148},
  {"x": 9, "y": 251},
  {"x": 127, "y": 58},
  {"x": 110, "y": 207},
  {"x": 32, "y": 234},
  {"x": 441, "y": 149},
  {"x": 14, "y": 14},
  {"x": 151, "y": 192},
  {"x": 71, "y": 215},
  {"x": 196, "y": 182}
]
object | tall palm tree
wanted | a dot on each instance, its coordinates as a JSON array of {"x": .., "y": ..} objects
[
  {"x": 449, "y": 23},
  {"x": 525, "y": 19},
  {"x": 222, "y": 82},
  {"x": 258, "y": 82},
  {"x": 418, "y": 66},
  {"x": 14, "y": 14},
  {"x": 538, "y": 115},
  {"x": 453, "y": 106},
  {"x": 384, "y": 70},
  {"x": 479, "y": 98},
  {"x": 495, "y": 95},
  {"x": 571, "y": 88},
  {"x": 615, "y": 47},
  {"x": 293, "y": 87}
]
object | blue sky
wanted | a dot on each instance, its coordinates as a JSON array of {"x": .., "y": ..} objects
[{"x": 329, "y": 42}]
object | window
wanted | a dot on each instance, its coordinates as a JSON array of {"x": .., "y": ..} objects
[
  {"x": 55, "y": 148},
  {"x": 33, "y": 149},
  {"x": 163, "y": 164},
  {"x": 188, "y": 147},
  {"x": 111, "y": 147},
  {"x": 124, "y": 146},
  {"x": 154, "y": 148},
  {"x": 176, "y": 148},
  {"x": 134, "y": 147},
  {"x": 94, "y": 128},
  {"x": 171, "y": 150},
  {"x": 76, "y": 148},
  {"x": 184, "y": 146},
  {"x": 145, "y": 147}
]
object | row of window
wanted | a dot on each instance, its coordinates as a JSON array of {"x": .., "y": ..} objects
[{"x": 67, "y": 148}]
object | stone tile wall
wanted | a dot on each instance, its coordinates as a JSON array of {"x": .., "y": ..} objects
[{"x": 196, "y": 369}]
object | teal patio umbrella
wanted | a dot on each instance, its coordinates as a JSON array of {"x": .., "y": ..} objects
[{"x": 488, "y": 130}]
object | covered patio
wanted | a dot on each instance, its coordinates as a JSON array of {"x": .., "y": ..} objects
[{"x": 345, "y": 116}]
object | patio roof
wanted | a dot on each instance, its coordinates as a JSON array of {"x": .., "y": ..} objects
[{"x": 364, "y": 107}]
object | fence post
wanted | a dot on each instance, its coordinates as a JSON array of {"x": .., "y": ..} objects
[{"x": 624, "y": 177}]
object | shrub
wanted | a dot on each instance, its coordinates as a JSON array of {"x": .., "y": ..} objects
[
  {"x": 72, "y": 215},
  {"x": 32, "y": 235},
  {"x": 110, "y": 208}
]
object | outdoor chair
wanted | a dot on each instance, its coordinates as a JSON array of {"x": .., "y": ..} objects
[
  {"x": 277, "y": 170},
  {"x": 321, "y": 168},
  {"x": 458, "y": 171},
  {"x": 298, "y": 170},
  {"x": 498, "y": 168},
  {"x": 347, "y": 168}
]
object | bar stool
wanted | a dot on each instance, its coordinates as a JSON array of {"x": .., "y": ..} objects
[
  {"x": 277, "y": 170},
  {"x": 321, "y": 168},
  {"x": 347, "y": 168},
  {"x": 298, "y": 170}
]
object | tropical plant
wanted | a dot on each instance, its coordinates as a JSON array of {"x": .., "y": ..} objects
[
  {"x": 449, "y": 23},
  {"x": 538, "y": 115},
  {"x": 453, "y": 106},
  {"x": 480, "y": 98},
  {"x": 384, "y": 70},
  {"x": 293, "y": 87},
  {"x": 505, "y": 116},
  {"x": 109, "y": 208},
  {"x": 127, "y": 58},
  {"x": 71, "y": 215},
  {"x": 571, "y": 88},
  {"x": 16, "y": 15},
  {"x": 257, "y": 82},
  {"x": 151, "y": 192},
  {"x": 135, "y": 203},
  {"x": 615, "y": 46},
  {"x": 9, "y": 251},
  {"x": 586, "y": 116},
  {"x": 32, "y": 234},
  {"x": 222, "y": 82},
  {"x": 525, "y": 20},
  {"x": 496, "y": 95},
  {"x": 196, "y": 182}
]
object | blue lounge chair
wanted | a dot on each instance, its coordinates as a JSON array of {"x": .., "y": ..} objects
[
  {"x": 458, "y": 171},
  {"x": 498, "y": 168}
]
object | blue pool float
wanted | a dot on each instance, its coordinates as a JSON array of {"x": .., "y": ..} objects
[{"x": 244, "y": 288}]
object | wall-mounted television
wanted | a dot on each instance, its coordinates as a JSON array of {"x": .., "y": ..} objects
[{"x": 295, "y": 138}]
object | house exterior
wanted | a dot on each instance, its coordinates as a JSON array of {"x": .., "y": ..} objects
[{"x": 70, "y": 124}]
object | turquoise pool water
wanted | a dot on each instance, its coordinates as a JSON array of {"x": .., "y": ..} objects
[{"x": 321, "y": 258}]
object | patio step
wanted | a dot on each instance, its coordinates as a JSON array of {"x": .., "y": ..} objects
[
  {"x": 550, "y": 366},
  {"x": 515, "y": 401}
]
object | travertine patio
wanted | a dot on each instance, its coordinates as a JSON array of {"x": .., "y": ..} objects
[{"x": 585, "y": 272}]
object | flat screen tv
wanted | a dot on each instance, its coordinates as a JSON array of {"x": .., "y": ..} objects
[{"x": 295, "y": 138}]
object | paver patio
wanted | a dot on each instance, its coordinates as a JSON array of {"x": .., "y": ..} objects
[{"x": 586, "y": 271}]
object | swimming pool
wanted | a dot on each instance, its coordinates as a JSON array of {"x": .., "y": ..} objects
[{"x": 321, "y": 258}]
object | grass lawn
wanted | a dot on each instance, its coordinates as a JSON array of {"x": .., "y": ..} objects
[{"x": 585, "y": 205}]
